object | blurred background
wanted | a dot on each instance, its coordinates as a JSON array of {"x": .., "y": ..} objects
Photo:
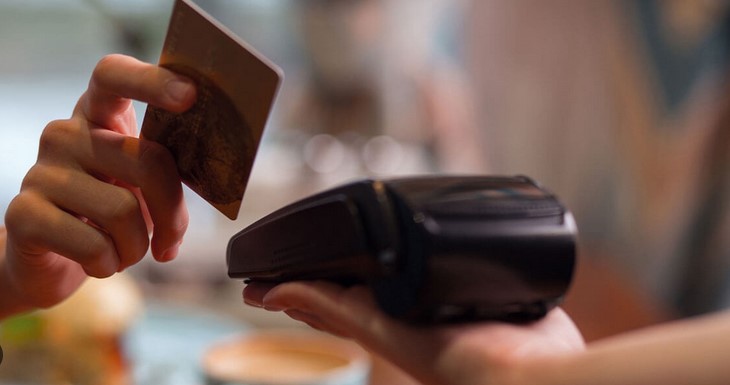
[{"x": 619, "y": 107}]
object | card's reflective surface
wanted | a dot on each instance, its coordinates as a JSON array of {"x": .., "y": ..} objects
[{"x": 214, "y": 143}]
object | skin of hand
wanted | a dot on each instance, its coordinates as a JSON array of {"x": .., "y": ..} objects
[
  {"x": 550, "y": 351},
  {"x": 98, "y": 196},
  {"x": 479, "y": 353}
]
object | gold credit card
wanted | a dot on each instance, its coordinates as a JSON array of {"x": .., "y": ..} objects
[{"x": 214, "y": 143}]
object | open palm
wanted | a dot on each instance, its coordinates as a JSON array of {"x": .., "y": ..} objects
[{"x": 478, "y": 353}]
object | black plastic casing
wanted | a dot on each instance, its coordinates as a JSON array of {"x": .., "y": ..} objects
[{"x": 433, "y": 249}]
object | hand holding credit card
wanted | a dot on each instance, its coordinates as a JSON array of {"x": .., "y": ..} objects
[{"x": 214, "y": 143}]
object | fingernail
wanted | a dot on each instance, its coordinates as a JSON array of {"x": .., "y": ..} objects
[
  {"x": 255, "y": 292},
  {"x": 274, "y": 307},
  {"x": 255, "y": 302},
  {"x": 178, "y": 89}
]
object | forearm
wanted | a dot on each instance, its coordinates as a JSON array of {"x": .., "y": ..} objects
[
  {"x": 10, "y": 301},
  {"x": 685, "y": 352}
]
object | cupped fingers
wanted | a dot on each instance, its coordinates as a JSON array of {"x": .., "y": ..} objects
[
  {"x": 37, "y": 226},
  {"x": 113, "y": 210},
  {"x": 149, "y": 166},
  {"x": 108, "y": 155}
]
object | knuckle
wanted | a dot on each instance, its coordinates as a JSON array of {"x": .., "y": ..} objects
[
  {"x": 36, "y": 176},
  {"x": 104, "y": 64},
  {"x": 105, "y": 67},
  {"x": 19, "y": 220},
  {"x": 33, "y": 176},
  {"x": 56, "y": 136}
]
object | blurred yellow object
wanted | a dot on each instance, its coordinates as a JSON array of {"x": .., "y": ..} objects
[
  {"x": 78, "y": 341},
  {"x": 100, "y": 307}
]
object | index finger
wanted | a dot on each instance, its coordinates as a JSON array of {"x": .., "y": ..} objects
[{"x": 119, "y": 79}]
